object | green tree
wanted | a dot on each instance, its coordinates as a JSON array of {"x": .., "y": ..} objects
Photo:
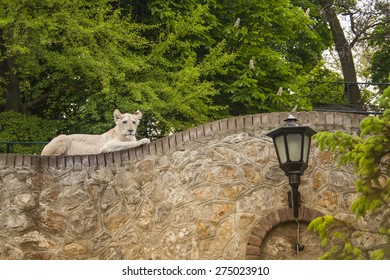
[
  {"x": 369, "y": 154},
  {"x": 275, "y": 45},
  {"x": 24, "y": 128},
  {"x": 362, "y": 22},
  {"x": 76, "y": 61},
  {"x": 380, "y": 40}
]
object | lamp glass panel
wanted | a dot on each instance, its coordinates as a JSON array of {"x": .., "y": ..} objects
[
  {"x": 306, "y": 148},
  {"x": 281, "y": 149},
  {"x": 294, "y": 143}
]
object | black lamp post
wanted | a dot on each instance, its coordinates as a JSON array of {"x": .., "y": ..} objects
[{"x": 292, "y": 144}]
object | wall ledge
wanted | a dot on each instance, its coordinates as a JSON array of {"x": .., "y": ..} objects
[{"x": 318, "y": 120}]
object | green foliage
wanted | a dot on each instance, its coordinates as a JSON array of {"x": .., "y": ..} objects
[
  {"x": 380, "y": 40},
  {"x": 84, "y": 59},
  {"x": 19, "y": 127},
  {"x": 338, "y": 238},
  {"x": 322, "y": 86},
  {"x": 369, "y": 154},
  {"x": 269, "y": 53},
  {"x": 180, "y": 63}
]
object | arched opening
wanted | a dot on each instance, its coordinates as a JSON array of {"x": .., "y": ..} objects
[{"x": 276, "y": 236}]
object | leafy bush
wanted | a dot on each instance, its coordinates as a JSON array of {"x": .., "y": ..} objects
[
  {"x": 18, "y": 127},
  {"x": 369, "y": 154}
]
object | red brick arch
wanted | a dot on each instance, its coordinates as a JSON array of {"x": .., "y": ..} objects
[{"x": 271, "y": 220}]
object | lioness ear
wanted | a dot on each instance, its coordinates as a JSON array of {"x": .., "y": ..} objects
[
  {"x": 117, "y": 115},
  {"x": 137, "y": 114}
]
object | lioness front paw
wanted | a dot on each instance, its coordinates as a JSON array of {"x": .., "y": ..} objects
[{"x": 144, "y": 141}]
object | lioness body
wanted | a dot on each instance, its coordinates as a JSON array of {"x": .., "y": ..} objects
[{"x": 121, "y": 137}]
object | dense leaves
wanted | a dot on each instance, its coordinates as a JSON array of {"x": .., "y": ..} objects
[
  {"x": 181, "y": 63},
  {"x": 76, "y": 61},
  {"x": 16, "y": 127},
  {"x": 369, "y": 154}
]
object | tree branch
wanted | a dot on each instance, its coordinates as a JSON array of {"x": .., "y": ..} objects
[{"x": 32, "y": 103}]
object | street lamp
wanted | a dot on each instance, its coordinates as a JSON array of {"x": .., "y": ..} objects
[{"x": 292, "y": 145}]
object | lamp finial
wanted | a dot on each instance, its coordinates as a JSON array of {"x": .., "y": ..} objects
[{"x": 291, "y": 121}]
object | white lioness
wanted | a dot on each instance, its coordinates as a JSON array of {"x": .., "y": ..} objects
[{"x": 121, "y": 137}]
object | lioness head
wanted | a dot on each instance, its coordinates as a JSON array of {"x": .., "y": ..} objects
[{"x": 126, "y": 124}]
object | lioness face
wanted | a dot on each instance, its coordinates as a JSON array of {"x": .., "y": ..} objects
[{"x": 126, "y": 124}]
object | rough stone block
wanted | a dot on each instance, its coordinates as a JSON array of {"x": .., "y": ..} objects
[
  {"x": 61, "y": 162},
  {"x": 27, "y": 161},
  {"x": 248, "y": 121},
  {"x": 329, "y": 118},
  {"x": 165, "y": 143},
  {"x": 179, "y": 138},
  {"x": 11, "y": 159},
  {"x": 321, "y": 116},
  {"x": 356, "y": 121},
  {"x": 77, "y": 161},
  {"x": 215, "y": 127},
  {"x": 259, "y": 231},
  {"x": 145, "y": 149},
  {"x": 223, "y": 125},
  {"x": 53, "y": 161},
  {"x": 271, "y": 218},
  {"x": 159, "y": 145},
  {"x": 240, "y": 123},
  {"x": 139, "y": 153},
  {"x": 282, "y": 215},
  {"x": 109, "y": 158},
  {"x": 186, "y": 136},
  {"x": 338, "y": 119},
  {"x": 124, "y": 155},
  {"x": 253, "y": 250},
  {"x": 85, "y": 160},
  {"x": 290, "y": 214},
  {"x": 312, "y": 118},
  {"x": 18, "y": 160},
  {"x": 44, "y": 161},
  {"x": 193, "y": 135},
  {"x": 274, "y": 119},
  {"x": 3, "y": 159},
  {"x": 36, "y": 161},
  {"x": 69, "y": 161},
  {"x": 255, "y": 240},
  {"x": 257, "y": 120},
  {"x": 93, "y": 161},
  {"x": 200, "y": 131},
  {"x": 101, "y": 159},
  {"x": 303, "y": 117},
  {"x": 152, "y": 148},
  {"x": 133, "y": 155},
  {"x": 265, "y": 119},
  {"x": 347, "y": 120}
]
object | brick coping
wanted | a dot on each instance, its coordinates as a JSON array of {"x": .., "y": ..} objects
[
  {"x": 319, "y": 120},
  {"x": 270, "y": 221}
]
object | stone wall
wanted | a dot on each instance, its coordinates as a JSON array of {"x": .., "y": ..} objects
[{"x": 211, "y": 192}]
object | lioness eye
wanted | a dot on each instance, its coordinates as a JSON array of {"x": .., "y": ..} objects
[
  {"x": 134, "y": 122},
  {"x": 124, "y": 122}
]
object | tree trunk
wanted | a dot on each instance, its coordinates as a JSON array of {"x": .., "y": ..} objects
[
  {"x": 343, "y": 49},
  {"x": 13, "y": 96}
]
